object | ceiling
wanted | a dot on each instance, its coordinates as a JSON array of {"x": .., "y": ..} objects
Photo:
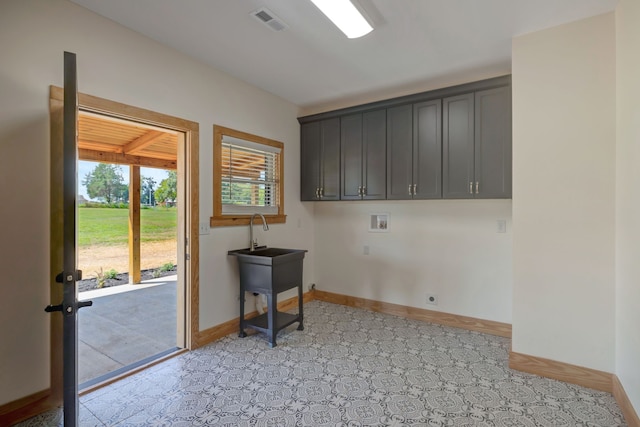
[
  {"x": 415, "y": 43},
  {"x": 132, "y": 143}
]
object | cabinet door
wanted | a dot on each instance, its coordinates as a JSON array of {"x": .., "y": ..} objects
[
  {"x": 330, "y": 159},
  {"x": 399, "y": 151},
  {"x": 351, "y": 154},
  {"x": 493, "y": 143},
  {"x": 427, "y": 150},
  {"x": 309, "y": 161},
  {"x": 457, "y": 143},
  {"x": 374, "y": 146}
]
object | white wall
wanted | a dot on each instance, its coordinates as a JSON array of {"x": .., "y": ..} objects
[
  {"x": 447, "y": 247},
  {"x": 564, "y": 193},
  {"x": 563, "y": 215},
  {"x": 447, "y": 80},
  {"x": 628, "y": 200},
  {"x": 121, "y": 65}
]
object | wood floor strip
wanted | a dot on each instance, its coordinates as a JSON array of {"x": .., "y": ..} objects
[
  {"x": 630, "y": 414},
  {"x": 586, "y": 377},
  {"x": 447, "y": 319},
  {"x": 25, "y": 408}
]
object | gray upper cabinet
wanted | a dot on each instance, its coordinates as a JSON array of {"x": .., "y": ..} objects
[
  {"x": 363, "y": 155},
  {"x": 493, "y": 143},
  {"x": 351, "y": 155},
  {"x": 414, "y": 151},
  {"x": 477, "y": 145},
  {"x": 451, "y": 143},
  {"x": 400, "y": 152},
  {"x": 427, "y": 150},
  {"x": 458, "y": 149},
  {"x": 309, "y": 161},
  {"x": 374, "y": 145},
  {"x": 320, "y": 160}
]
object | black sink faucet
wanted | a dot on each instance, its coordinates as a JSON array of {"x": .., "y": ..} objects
[{"x": 254, "y": 243}]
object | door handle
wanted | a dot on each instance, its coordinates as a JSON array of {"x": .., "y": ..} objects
[
  {"x": 470, "y": 187},
  {"x": 60, "y": 276},
  {"x": 82, "y": 304},
  {"x": 52, "y": 308},
  {"x": 68, "y": 309},
  {"x": 477, "y": 186}
]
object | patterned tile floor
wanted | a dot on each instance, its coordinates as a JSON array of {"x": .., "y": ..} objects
[{"x": 349, "y": 367}]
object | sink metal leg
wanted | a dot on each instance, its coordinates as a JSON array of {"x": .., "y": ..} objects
[
  {"x": 300, "y": 314},
  {"x": 271, "y": 318},
  {"x": 242, "y": 333}
]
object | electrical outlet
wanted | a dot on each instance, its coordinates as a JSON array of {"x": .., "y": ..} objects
[
  {"x": 365, "y": 249},
  {"x": 501, "y": 226},
  {"x": 432, "y": 299},
  {"x": 204, "y": 228}
]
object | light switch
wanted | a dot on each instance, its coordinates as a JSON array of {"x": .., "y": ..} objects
[
  {"x": 204, "y": 228},
  {"x": 501, "y": 226}
]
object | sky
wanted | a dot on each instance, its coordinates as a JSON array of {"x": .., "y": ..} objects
[{"x": 85, "y": 167}]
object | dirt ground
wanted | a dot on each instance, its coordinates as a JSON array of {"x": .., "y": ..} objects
[{"x": 152, "y": 255}]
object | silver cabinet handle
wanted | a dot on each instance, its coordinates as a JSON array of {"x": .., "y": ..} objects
[
  {"x": 360, "y": 191},
  {"x": 317, "y": 192},
  {"x": 470, "y": 187},
  {"x": 364, "y": 191},
  {"x": 321, "y": 192},
  {"x": 477, "y": 186},
  {"x": 410, "y": 193},
  {"x": 415, "y": 186}
]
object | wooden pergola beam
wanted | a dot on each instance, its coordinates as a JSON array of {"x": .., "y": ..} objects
[
  {"x": 134, "y": 225},
  {"x": 142, "y": 142},
  {"x": 157, "y": 155},
  {"x": 126, "y": 159},
  {"x": 86, "y": 144}
]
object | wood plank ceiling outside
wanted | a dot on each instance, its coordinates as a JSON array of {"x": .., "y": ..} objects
[{"x": 112, "y": 140}]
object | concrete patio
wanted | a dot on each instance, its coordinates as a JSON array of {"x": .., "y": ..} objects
[{"x": 126, "y": 324}]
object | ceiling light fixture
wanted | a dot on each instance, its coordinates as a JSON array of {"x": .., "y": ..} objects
[{"x": 345, "y": 16}]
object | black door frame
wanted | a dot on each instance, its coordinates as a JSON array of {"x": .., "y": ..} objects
[{"x": 70, "y": 274}]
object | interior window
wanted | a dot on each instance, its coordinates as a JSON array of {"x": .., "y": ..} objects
[{"x": 248, "y": 178}]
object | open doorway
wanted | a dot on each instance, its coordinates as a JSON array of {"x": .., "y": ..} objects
[
  {"x": 186, "y": 169},
  {"x": 127, "y": 247}
]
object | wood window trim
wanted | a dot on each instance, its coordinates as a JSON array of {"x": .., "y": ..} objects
[{"x": 224, "y": 220}]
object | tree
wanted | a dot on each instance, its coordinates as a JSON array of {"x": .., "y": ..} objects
[
  {"x": 168, "y": 189},
  {"x": 122, "y": 195},
  {"x": 147, "y": 195},
  {"x": 105, "y": 182}
]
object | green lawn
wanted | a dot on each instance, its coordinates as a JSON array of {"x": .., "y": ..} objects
[{"x": 106, "y": 226}]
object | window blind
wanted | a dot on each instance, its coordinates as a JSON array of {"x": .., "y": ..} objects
[{"x": 250, "y": 177}]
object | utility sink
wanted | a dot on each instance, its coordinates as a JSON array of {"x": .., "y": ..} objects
[
  {"x": 269, "y": 271},
  {"x": 277, "y": 255}
]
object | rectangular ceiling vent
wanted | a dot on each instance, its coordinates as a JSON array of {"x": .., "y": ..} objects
[{"x": 268, "y": 18}]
